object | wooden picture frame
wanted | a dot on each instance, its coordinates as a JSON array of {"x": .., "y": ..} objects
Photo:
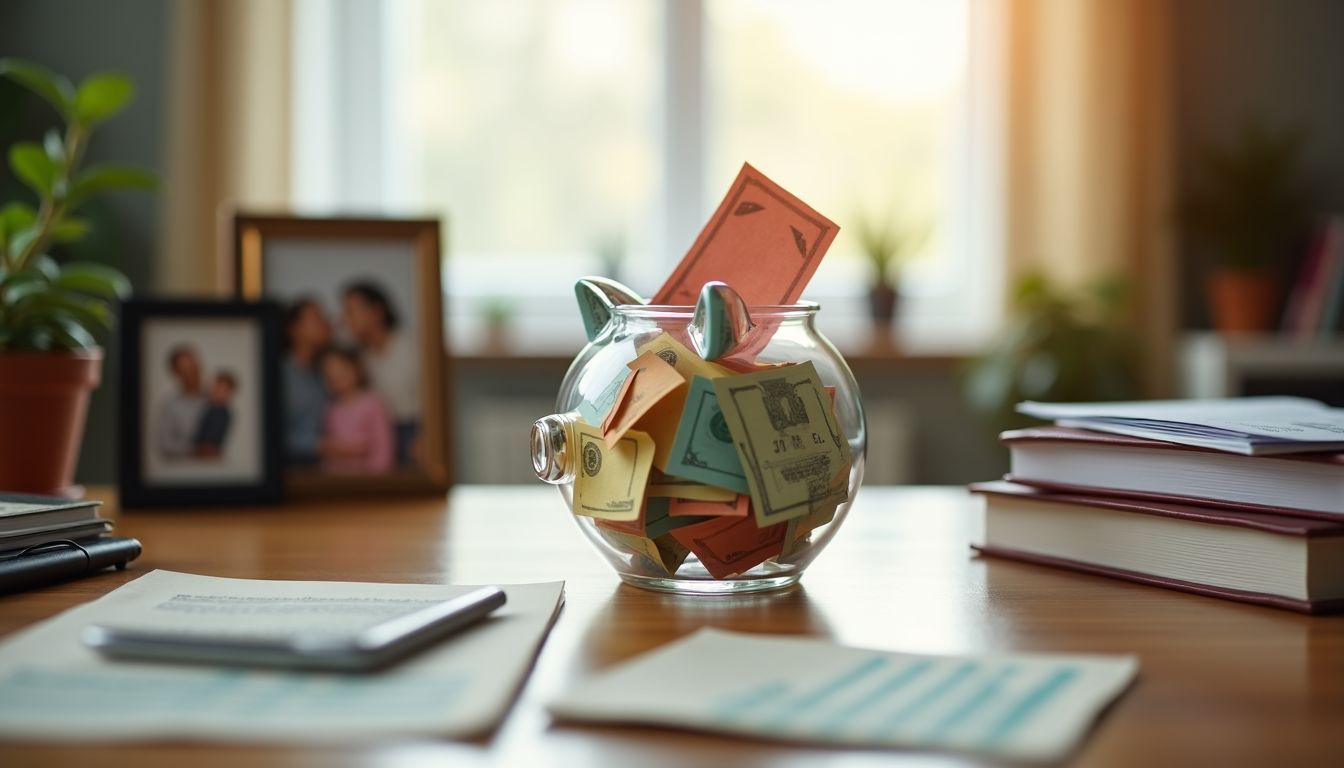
[
  {"x": 324, "y": 263},
  {"x": 200, "y": 403}
]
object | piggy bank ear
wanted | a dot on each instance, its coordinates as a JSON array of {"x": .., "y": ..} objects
[
  {"x": 597, "y": 295},
  {"x": 721, "y": 321}
]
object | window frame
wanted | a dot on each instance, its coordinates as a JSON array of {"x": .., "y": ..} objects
[{"x": 356, "y": 41}]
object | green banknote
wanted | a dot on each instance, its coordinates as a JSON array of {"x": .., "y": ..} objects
[
  {"x": 795, "y": 457},
  {"x": 703, "y": 449}
]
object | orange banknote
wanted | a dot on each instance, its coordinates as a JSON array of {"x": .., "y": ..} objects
[{"x": 762, "y": 241}]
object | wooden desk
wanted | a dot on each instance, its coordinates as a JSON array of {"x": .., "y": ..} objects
[{"x": 1220, "y": 683}]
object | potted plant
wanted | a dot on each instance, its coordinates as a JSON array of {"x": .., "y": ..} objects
[
  {"x": 1056, "y": 347},
  {"x": 497, "y": 314},
  {"x": 53, "y": 314},
  {"x": 1246, "y": 207},
  {"x": 886, "y": 245}
]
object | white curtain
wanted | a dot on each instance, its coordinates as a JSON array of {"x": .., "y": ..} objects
[
  {"x": 229, "y": 131},
  {"x": 1089, "y": 159}
]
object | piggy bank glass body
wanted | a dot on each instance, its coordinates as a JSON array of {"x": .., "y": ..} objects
[{"x": 781, "y": 334}]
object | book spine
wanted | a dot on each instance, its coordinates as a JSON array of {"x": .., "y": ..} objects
[
  {"x": 1147, "y": 579},
  {"x": 1306, "y": 275},
  {"x": 1314, "y": 305},
  {"x": 1334, "y": 284}
]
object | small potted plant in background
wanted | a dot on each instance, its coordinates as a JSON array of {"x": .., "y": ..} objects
[
  {"x": 886, "y": 245},
  {"x": 1246, "y": 207},
  {"x": 52, "y": 315},
  {"x": 497, "y": 316}
]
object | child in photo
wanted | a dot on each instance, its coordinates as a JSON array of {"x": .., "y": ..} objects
[
  {"x": 217, "y": 416},
  {"x": 358, "y": 426}
]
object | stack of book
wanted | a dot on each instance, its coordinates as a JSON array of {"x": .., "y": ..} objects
[
  {"x": 44, "y": 539},
  {"x": 1240, "y": 499}
]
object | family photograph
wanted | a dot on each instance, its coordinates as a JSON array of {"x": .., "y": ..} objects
[
  {"x": 352, "y": 383},
  {"x": 194, "y": 419},
  {"x": 202, "y": 387}
]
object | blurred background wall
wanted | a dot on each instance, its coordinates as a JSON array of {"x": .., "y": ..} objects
[{"x": 1106, "y": 108}]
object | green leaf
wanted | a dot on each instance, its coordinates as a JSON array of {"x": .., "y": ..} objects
[
  {"x": 20, "y": 240},
  {"x": 105, "y": 177},
  {"x": 67, "y": 320},
  {"x": 54, "y": 146},
  {"x": 69, "y": 229},
  {"x": 101, "y": 96},
  {"x": 20, "y": 286},
  {"x": 69, "y": 334},
  {"x": 47, "y": 266},
  {"x": 92, "y": 313},
  {"x": 33, "y": 167},
  {"x": 57, "y": 90},
  {"x": 96, "y": 279},
  {"x": 14, "y": 218}
]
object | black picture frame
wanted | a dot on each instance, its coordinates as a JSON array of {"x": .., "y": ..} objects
[{"x": 139, "y": 490}]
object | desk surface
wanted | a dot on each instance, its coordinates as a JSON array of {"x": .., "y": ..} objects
[{"x": 1224, "y": 682}]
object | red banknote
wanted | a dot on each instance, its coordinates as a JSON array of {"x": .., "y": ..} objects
[
  {"x": 728, "y": 545},
  {"x": 762, "y": 241}
]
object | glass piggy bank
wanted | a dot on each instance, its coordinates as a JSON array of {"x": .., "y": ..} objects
[{"x": 707, "y": 449}]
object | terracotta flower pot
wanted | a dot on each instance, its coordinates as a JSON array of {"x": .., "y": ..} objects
[
  {"x": 882, "y": 300},
  {"x": 1242, "y": 301},
  {"x": 44, "y": 397}
]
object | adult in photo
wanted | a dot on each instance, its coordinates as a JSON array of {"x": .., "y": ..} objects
[
  {"x": 180, "y": 411},
  {"x": 307, "y": 333},
  {"x": 394, "y": 368}
]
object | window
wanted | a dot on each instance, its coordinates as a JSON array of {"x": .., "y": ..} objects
[{"x": 595, "y": 136}]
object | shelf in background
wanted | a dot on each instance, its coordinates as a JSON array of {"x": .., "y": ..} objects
[{"x": 1212, "y": 365}]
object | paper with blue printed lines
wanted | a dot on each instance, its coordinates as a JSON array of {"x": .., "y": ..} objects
[
  {"x": 1033, "y": 707},
  {"x": 53, "y": 688}
]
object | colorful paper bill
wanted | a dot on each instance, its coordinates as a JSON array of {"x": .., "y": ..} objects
[
  {"x": 799, "y": 527},
  {"x": 662, "y": 419},
  {"x": 795, "y": 457},
  {"x": 739, "y": 506},
  {"x": 651, "y": 380},
  {"x": 762, "y": 241},
  {"x": 730, "y": 545},
  {"x": 654, "y": 520},
  {"x": 661, "y": 484},
  {"x": 704, "y": 448},
  {"x": 665, "y": 552},
  {"x": 610, "y": 480},
  {"x": 681, "y": 357}
]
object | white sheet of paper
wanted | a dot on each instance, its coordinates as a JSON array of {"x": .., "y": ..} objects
[
  {"x": 53, "y": 688},
  {"x": 801, "y": 689},
  {"x": 1246, "y": 425}
]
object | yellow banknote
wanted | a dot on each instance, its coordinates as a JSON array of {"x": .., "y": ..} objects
[{"x": 609, "y": 480}]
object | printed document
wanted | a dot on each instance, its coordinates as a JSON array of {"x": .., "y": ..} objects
[
  {"x": 54, "y": 688},
  {"x": 1254, "y": 426},
  {"x": 1034, "y": 707}
]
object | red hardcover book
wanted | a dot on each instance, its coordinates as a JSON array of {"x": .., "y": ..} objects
[
  {"x": 1092, "y": 463},
  {"x": 1274, "y": 560}
]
